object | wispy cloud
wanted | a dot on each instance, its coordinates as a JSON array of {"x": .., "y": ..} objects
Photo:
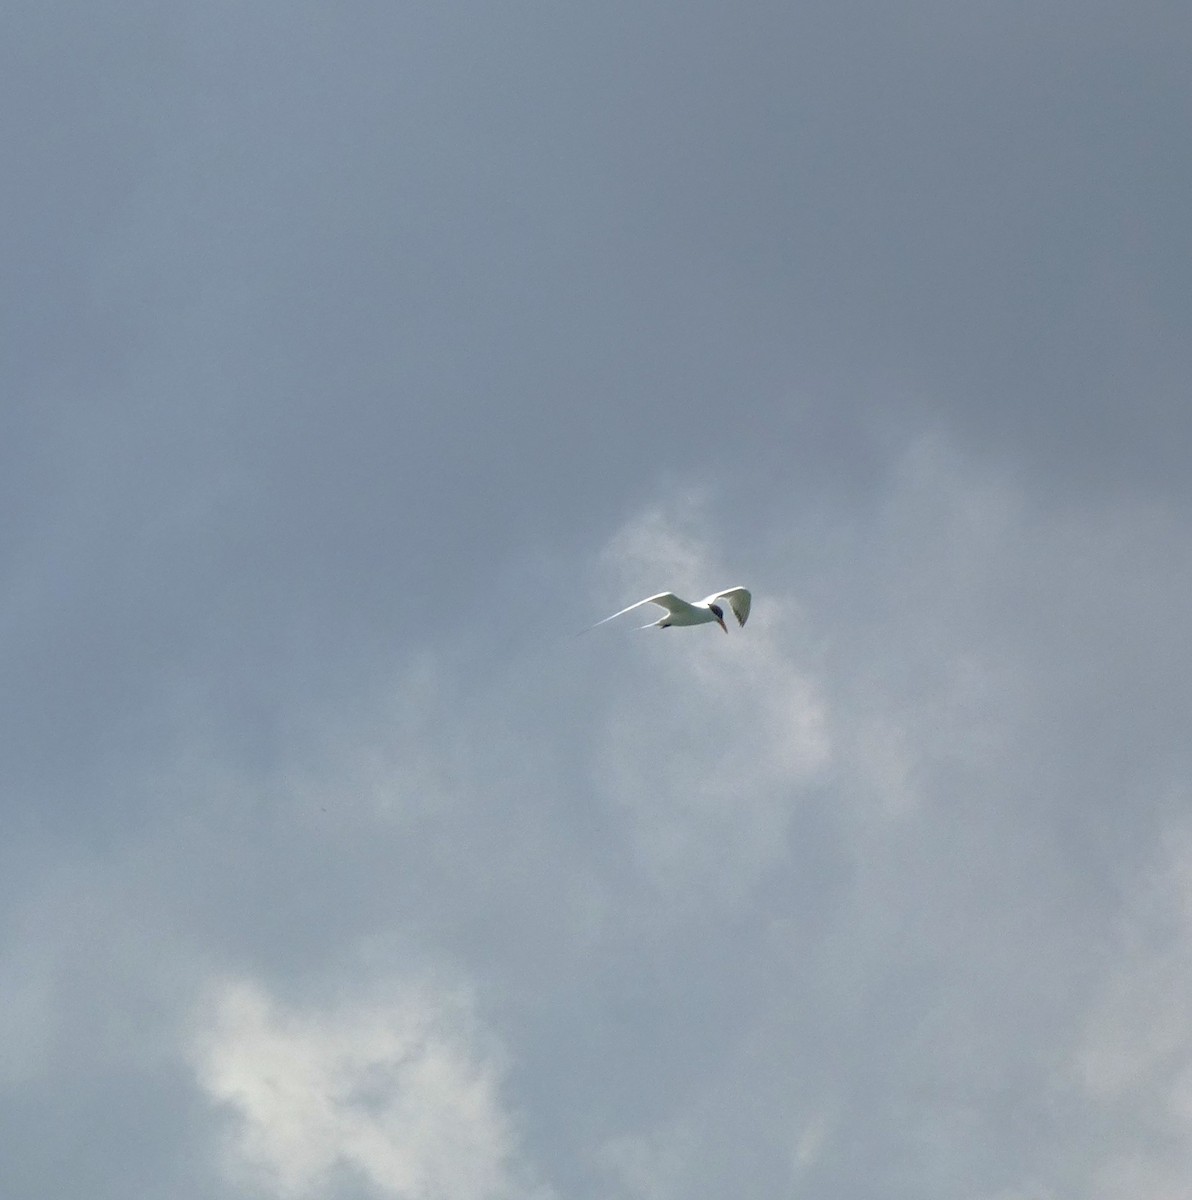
[
  {"x": 1135, "y": 1059},
  {"x": 396, "y": 1088},
  {"x": 830, "y": 898},
  {"x": 707, "y": 744}
]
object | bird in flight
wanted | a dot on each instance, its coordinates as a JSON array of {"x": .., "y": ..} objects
[{"x": 683, "y": 612}]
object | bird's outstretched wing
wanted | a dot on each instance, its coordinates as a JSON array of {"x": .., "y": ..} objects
[
  {"x": 739, "y": 599},
  {"x": 667, "y": 600}
]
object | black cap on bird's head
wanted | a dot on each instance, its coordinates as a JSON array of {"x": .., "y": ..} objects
[{"x": 718, "y": 613}]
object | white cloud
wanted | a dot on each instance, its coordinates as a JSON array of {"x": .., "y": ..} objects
[
  {"x": 810, "y": 1142},
  {"x": 1135, "y": 1061},
  {"x": 649, "y": 1166},
  {"x": 872, "y": 806},
  {"x": 984, "y": 678},
  {"x": 397, "y": 1089},
  {"x": 707, "y": 742}
]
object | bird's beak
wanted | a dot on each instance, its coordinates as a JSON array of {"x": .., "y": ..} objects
[{"x": 720, "y": 622}]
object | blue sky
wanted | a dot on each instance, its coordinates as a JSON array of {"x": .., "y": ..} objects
[{"x": 357, "y": 357}]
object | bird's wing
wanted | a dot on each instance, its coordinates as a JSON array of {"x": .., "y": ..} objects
[
  {"x": 739, "y": 600},
  {"x": 667, "y": 600}
]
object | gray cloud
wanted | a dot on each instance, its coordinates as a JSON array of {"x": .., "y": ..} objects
[{"x": 361, "y": 356}]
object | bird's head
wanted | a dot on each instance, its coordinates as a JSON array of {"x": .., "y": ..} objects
[{"x": 718, "y": 613}]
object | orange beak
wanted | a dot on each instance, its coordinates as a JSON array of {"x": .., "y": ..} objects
[{"x": 720, "y": 622}]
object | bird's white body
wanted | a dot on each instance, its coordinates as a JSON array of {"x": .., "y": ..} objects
[{"x": 683, "y": 612}]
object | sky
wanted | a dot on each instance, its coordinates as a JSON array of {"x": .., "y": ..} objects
[{"x": 359, "y": 355}]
